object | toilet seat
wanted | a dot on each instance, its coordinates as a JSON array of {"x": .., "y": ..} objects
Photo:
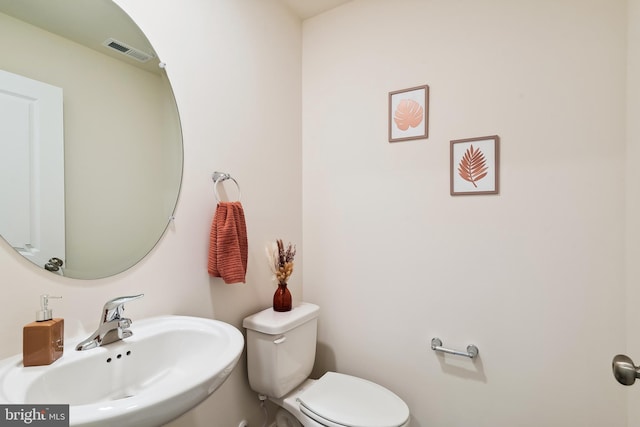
[{"x": 339, "y": 400}]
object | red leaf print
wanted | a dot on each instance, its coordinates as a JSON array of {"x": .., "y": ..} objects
[{"x": 473, "y": 166}]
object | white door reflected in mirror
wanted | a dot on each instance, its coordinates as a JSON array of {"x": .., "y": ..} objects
[{"x": 32, "y": 167}]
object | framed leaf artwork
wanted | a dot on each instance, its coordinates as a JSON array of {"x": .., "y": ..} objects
[
  {"x": 409, "y": 114},
  {"x": 475, "y": 165}
]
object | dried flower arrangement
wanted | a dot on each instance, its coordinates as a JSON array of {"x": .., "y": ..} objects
[{"x": 281, "y": 260}]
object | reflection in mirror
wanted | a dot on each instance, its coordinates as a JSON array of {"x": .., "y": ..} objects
[{"x": 122, "y": 149}]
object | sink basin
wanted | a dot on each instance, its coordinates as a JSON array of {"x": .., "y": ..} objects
[{"x": 168, "y": 366}]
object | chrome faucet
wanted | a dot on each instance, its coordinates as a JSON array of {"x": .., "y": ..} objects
[{"x": 113, "y": 327}]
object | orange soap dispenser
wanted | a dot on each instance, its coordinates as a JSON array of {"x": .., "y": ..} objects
[{"x": 43, "y": 340}]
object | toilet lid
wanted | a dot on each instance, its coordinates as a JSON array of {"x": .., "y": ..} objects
[{"x": 339, "y": 400}]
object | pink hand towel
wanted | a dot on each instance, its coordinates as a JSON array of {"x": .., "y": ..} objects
[{"x": 228, "y": 248}]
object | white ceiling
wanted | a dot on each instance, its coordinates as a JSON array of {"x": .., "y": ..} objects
[
  {"x": 308, "y": 8},
  {"x": 86, "y": 22}
]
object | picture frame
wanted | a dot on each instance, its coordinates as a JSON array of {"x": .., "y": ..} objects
[
  {"x": 409, "y": 114},
  {"x": 475, "y": 166}
]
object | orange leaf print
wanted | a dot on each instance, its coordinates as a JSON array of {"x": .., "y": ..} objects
[
  {"x": 408, "y": 114},
  {"x": 473, "y": 166}
]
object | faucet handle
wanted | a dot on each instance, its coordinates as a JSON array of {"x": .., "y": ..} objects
[{"x": 113, "y": 308}]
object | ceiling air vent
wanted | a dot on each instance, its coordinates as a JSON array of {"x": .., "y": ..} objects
[{"x": 125, "y": 49}]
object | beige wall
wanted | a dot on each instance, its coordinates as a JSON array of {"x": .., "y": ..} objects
[
  {"x": 235, "y": 69},
  {"x": 533, "y": 276}
]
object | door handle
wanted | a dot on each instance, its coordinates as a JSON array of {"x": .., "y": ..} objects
[
  {"x": 624, "y": 370},
  {"x": 54, "y": 264}
]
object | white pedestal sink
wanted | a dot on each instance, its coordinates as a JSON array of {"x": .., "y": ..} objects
[{"x": 168, "y": 366}]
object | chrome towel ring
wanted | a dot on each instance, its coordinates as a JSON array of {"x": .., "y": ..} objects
[{"x": 221, "y": 177}]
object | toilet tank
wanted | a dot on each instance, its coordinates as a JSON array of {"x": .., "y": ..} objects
[{"x": 281, "y": 348}]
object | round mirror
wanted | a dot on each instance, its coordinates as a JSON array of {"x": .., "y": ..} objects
[{"x": 90, "y": 137}]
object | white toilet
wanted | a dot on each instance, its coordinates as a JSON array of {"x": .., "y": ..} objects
[{"x": 281, "y": 349}]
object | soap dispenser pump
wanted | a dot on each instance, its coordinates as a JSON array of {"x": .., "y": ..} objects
[{"x": 43, "y": 340}]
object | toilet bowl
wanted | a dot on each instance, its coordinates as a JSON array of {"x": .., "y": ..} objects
[
  {"x": 280, "y": 354},
  {"x": 339, "y": 400}
]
